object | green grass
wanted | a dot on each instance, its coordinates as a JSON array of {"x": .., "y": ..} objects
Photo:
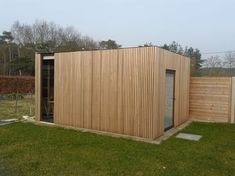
[
  {"x": 7, "y": 108},
  {"x": 28, "y": 149}
]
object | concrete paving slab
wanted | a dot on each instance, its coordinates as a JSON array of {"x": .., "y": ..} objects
[{"x": 187, "y": 136}]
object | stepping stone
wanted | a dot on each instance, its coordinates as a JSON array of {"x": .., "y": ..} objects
[{"x": 187, "y": 136}]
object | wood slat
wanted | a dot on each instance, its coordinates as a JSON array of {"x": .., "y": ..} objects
[{"x": 37, "y": 86}]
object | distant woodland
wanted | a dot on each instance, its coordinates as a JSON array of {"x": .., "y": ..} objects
[{"x": 18, "y": 47}]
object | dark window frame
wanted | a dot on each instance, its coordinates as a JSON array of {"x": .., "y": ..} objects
[{"x": 171, "y": 71}]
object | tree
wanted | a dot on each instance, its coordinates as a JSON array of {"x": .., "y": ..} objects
[
  {"x": 46, "y": 36},
  {"x": 194, "y": 54},
  {"x": 7, "y": 46},
  {"x": 229, "y": 61},
  {"x": 6, "y": 37},
  {"x": 214, "y": 66},
  {"x": 146, "y": 45},
  {"x": 23, "y": 65},
  {"x": 109, "y": 44},
  {"x": 196, "y": 61},
  {"x": 18, "y": 47},
  {"x": 174, "y": 47},
  {"x": 3, "y": 58}
]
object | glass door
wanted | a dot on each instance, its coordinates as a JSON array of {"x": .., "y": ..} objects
[{"x": 169, "y": 99}]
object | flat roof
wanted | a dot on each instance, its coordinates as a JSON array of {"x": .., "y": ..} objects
[{"x": 52, "y": 53}]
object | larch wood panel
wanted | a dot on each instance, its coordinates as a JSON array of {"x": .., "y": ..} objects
[
  {"x": 37, "y": 86},
  {"x": 57, "y": 98},
  {"x": 210, "y": 98},
  {"x": 120, "y": 108},
  {"x": 155, "y": 104},
  {"x": 120, "y": 91},
  {"x": 87, "y": 87},
  {"x": 105, "y": 91},
  {"x": 161, "y": 98},
  {"x": 96, "y": 85},
  {"x": 232, "y": 109}
]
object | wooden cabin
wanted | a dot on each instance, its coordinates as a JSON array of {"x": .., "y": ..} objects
[{"x": 132, "y": 91}]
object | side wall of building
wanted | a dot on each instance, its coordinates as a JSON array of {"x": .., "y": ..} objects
[{"x": 181, "y": 65}]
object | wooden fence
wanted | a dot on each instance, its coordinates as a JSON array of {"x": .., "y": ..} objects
[{"x": 212, "y": 99}]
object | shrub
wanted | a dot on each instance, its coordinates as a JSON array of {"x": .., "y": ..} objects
[{"x": 21, "y": 84}]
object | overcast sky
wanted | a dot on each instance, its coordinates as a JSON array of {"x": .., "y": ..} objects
[{"x": 205, "y": 24}]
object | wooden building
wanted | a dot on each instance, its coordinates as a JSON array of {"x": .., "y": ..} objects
[{"x": 132, "y": 91}]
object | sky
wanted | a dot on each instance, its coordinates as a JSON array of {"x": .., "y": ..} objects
[{"x": 208, "y": 25}]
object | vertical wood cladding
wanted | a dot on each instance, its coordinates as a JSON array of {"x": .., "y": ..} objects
[{"x": 120, "y": 91}]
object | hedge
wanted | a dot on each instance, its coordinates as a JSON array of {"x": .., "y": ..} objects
[{"x": 20, "y": 84}]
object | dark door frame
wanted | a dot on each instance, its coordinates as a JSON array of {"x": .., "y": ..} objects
[
  {"x": 170, "y": 71},
  {"x": 41, "y": 79}
]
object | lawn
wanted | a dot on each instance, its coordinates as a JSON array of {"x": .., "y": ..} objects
[
  {"x": 28, "y": 149},
  {"x": 7, "y": 108}
]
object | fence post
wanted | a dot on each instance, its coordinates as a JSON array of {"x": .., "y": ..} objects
[{"x": 232, "y": 116}]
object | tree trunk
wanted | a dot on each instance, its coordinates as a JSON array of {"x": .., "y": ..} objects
[
  {"x": 9, "y": 48},
  {"x": 18, "y": 49},
  {"x": 16, "y": 103},
  {"x": 4, "y": 65}
]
